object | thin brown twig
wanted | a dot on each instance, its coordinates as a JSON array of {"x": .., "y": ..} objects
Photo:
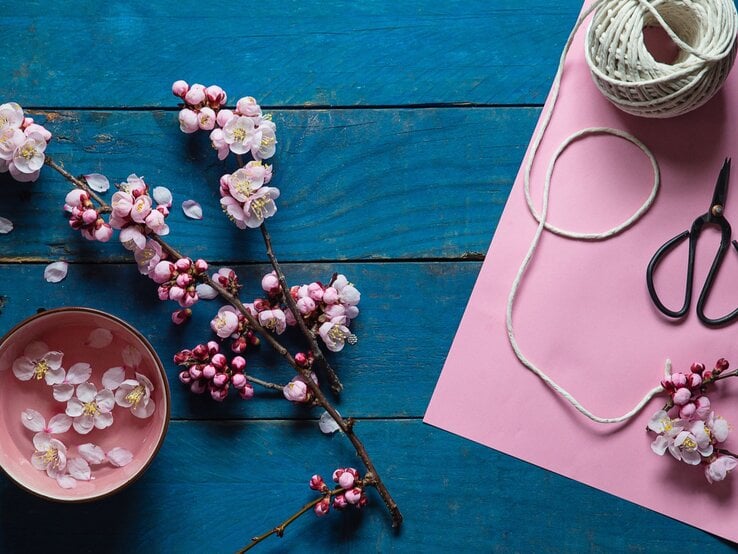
[
  {"x": 346, "y": 425},
  {"x": 279, "y": 529},
  {"x": 264, "y": 384}
]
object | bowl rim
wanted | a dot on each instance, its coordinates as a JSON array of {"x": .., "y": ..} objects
[{"x": 167, "y": 395}]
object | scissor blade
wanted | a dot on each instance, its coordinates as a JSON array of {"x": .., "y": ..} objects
[{"x": 721, "y": 187}]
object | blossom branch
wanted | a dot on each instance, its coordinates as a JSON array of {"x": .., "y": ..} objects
[
  {"x": 265, "y": 384},
  {"x": 346, "y": 425},
  {"x": 79, "y": 183},
  {"x": 279, "y": 529},
  {"x": 335, "y": 382}
]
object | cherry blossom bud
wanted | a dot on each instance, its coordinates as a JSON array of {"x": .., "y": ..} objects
[
  {"x": 362, "y": 501},
  {"x": 667, "y": 383},
  {"x": 679, "y": 380},
  {"x": 216, "y": 96},
  {"x": 213, "y": 347},
  {"x": 289, "y": 318},
  {"x": 182, "y": 356},
  {"x": 296, "y": 391},
  {"x": 208, "y": 372},
  {"x": 200, "y": 352},
  {"x": 707, "y": 375},
  {"x": 183, "y": 264},
  {"x": 246, "y": 392},
  {"x": 260, "y": 305},
  {"x": 219, "y": 361},
  {"x": 196, "y": 372},
  {"x": 206, "y": 119},
  {"x": 239, "y": 345},
  {"x": 682, "y": 396},
  {"x": 89, "y": 216},
  {"x": 238, "y": 363},
  {"x": 317, "y": 483},
  {"x": 220, "y": 379},
  {"x": 163, "y": 292},
  {"x": 353, "y": 496},
  {"x": 703, "y": 407},
  {"x": 199, "y": 386},
  {"x": 322, "y": 507},
  {"x": 254, "y": 340},
  {"x": 180, "y": 88},
  {"x": 270, "y": 283},
  {"x": 337, "y": 474},
  {"x": 76, "y": 197},
  {"x": 180, "y": 316},
  {"x": 185, "y": 377},
  {"x": 248, "y": 106},
  {"x": 339, "y": 502},
  {"x": 189, "y": 299},
  {"x": 27, "y": 122},
  {"x": 201, "y": 266},
  {"x": 104, "y": 232},
  {"x": 688, "y": 410},
  {"x": 218, "y": 394},
  {"x": 315, "y": 291},
  {"x": 163, "y": 210},
  {"x": 267, "y": 174},
  {"x": 721, "y": 365},
  {"x": 188, "y": 121},
  {"x": 184, "y": 280},
  {"x": 238, "y": 380},
  {"x": 346, "y": 481},
  {"x": 223, "y": 117},
  {"x": 697, "y": 368},
  {"x": 176, "y": 293},
  {"x": 330, "y": 295},
  {"x": 694, "y": 380},
  {"x": 196, "y": 95},
  {"x": 306, "y": 305},
  {"x": 352, "y": 471},
  {"x": 301, "y": 359},
  {"x": 163, "y": 272}
]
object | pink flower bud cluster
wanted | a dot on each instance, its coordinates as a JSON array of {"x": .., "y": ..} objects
[
  {"x": 685, "y": 389},
  {"x": 178, "y": 282},
  {"x": 202, "y": 105},
  {"x": 230, "y": 323},
  {"x": 22, "y": 144},
  {"x": 135, "y": 215},
  {"x": 244, "y": 197},
  {"x": 695, "y": 435},
  {"x": 244, "y": 130},
  {"x": 352, "y": 494},
  {"x": 85, "y": 218},
  {"x": 209, "y": 370}
]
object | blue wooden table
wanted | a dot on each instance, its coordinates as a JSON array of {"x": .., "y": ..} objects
[{"x": 401, "y": 126}]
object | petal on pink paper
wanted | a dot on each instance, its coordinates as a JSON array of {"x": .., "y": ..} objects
[
  {"x": 97, "y": 182},
  {"x": 5, "y": 226},
  {"x": 56, "y": 271},
  {"x": 192, "y": 209}
]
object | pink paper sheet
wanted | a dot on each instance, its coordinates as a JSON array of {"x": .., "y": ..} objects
[{"x": 584, "y": 314}]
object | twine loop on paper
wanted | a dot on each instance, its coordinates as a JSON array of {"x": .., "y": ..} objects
[
  {"x": 628, "y": 76},
  {"x": 627, "y": 73}
]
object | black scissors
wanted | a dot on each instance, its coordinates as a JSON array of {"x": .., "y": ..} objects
[{"x": 714, "y": 216}]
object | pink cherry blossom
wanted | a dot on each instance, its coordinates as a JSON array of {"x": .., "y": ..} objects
[
  {"x": 91, "y": 408},
  {"x": 241, "y": 134},
  {"x": 691, "y": 445},
  {"x": 234, "y": 210},
  {"x": 195, "y": 95},
  {"x": 274, "y": 320},
  {"x": 206, "y": 119},
  {"x": 718, "y": 469},
  {"x": 50, "y": 455},
  {"x": 38, "y": 362},
  {"x": 297, "y": 389},
  {"x": 148, "y": 257},
  {"x": 180, "y": 88},
  {"x": 223, "y": 117},
  {"x": 225, "y": 323},
  {"x": 11, "y": 116},
  {"x": 141, "y": 208},
  {"x": 77, "y": 374},
  {"x": 136, "y": 395},
  {"x": 248, "y": 106},
  {"x": 267, "y": 145},
  {"x": 336, "y": 334}
]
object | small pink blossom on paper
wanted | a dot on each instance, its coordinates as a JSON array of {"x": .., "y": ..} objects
[
  {"x": 77, "y": 374},
  {"x": 192, "y": 209},
  {"x": 39, "y": 363},
  {"x": 97, "y": 182},
  {"x": 34, "y": 421},
  {"x": 56, "y": 271},
  {"x": 718, "y": 469},
  {"x": 136, "y": 395},
  {"x": 5, "y": 226},
  {"x": 90, "y": 408}
]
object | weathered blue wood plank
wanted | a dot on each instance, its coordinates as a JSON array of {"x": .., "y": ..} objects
[
  {"x": 356, "y": 184},
  {"x": 409, "y": 313},
  {"x": 214, "y": 485},
  {"x": 89, "y": 53}
]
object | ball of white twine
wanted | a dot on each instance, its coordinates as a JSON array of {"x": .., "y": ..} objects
[{"x": 629, "y": 76}]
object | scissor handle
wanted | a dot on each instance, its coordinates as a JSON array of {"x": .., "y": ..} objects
[
  {"x": 707, "y": 287},
  {"x": 656, "y": 259}
]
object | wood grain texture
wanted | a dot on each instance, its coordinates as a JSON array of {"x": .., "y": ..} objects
[
  {"x": 216, "y": 484},
  {"x": 356, "y": 184},
  {"x": 407, "y": 321},
  {"x": 87, "y": 53}
]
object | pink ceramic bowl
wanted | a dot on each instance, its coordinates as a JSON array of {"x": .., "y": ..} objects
[{"x": 99, "y": 339}]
